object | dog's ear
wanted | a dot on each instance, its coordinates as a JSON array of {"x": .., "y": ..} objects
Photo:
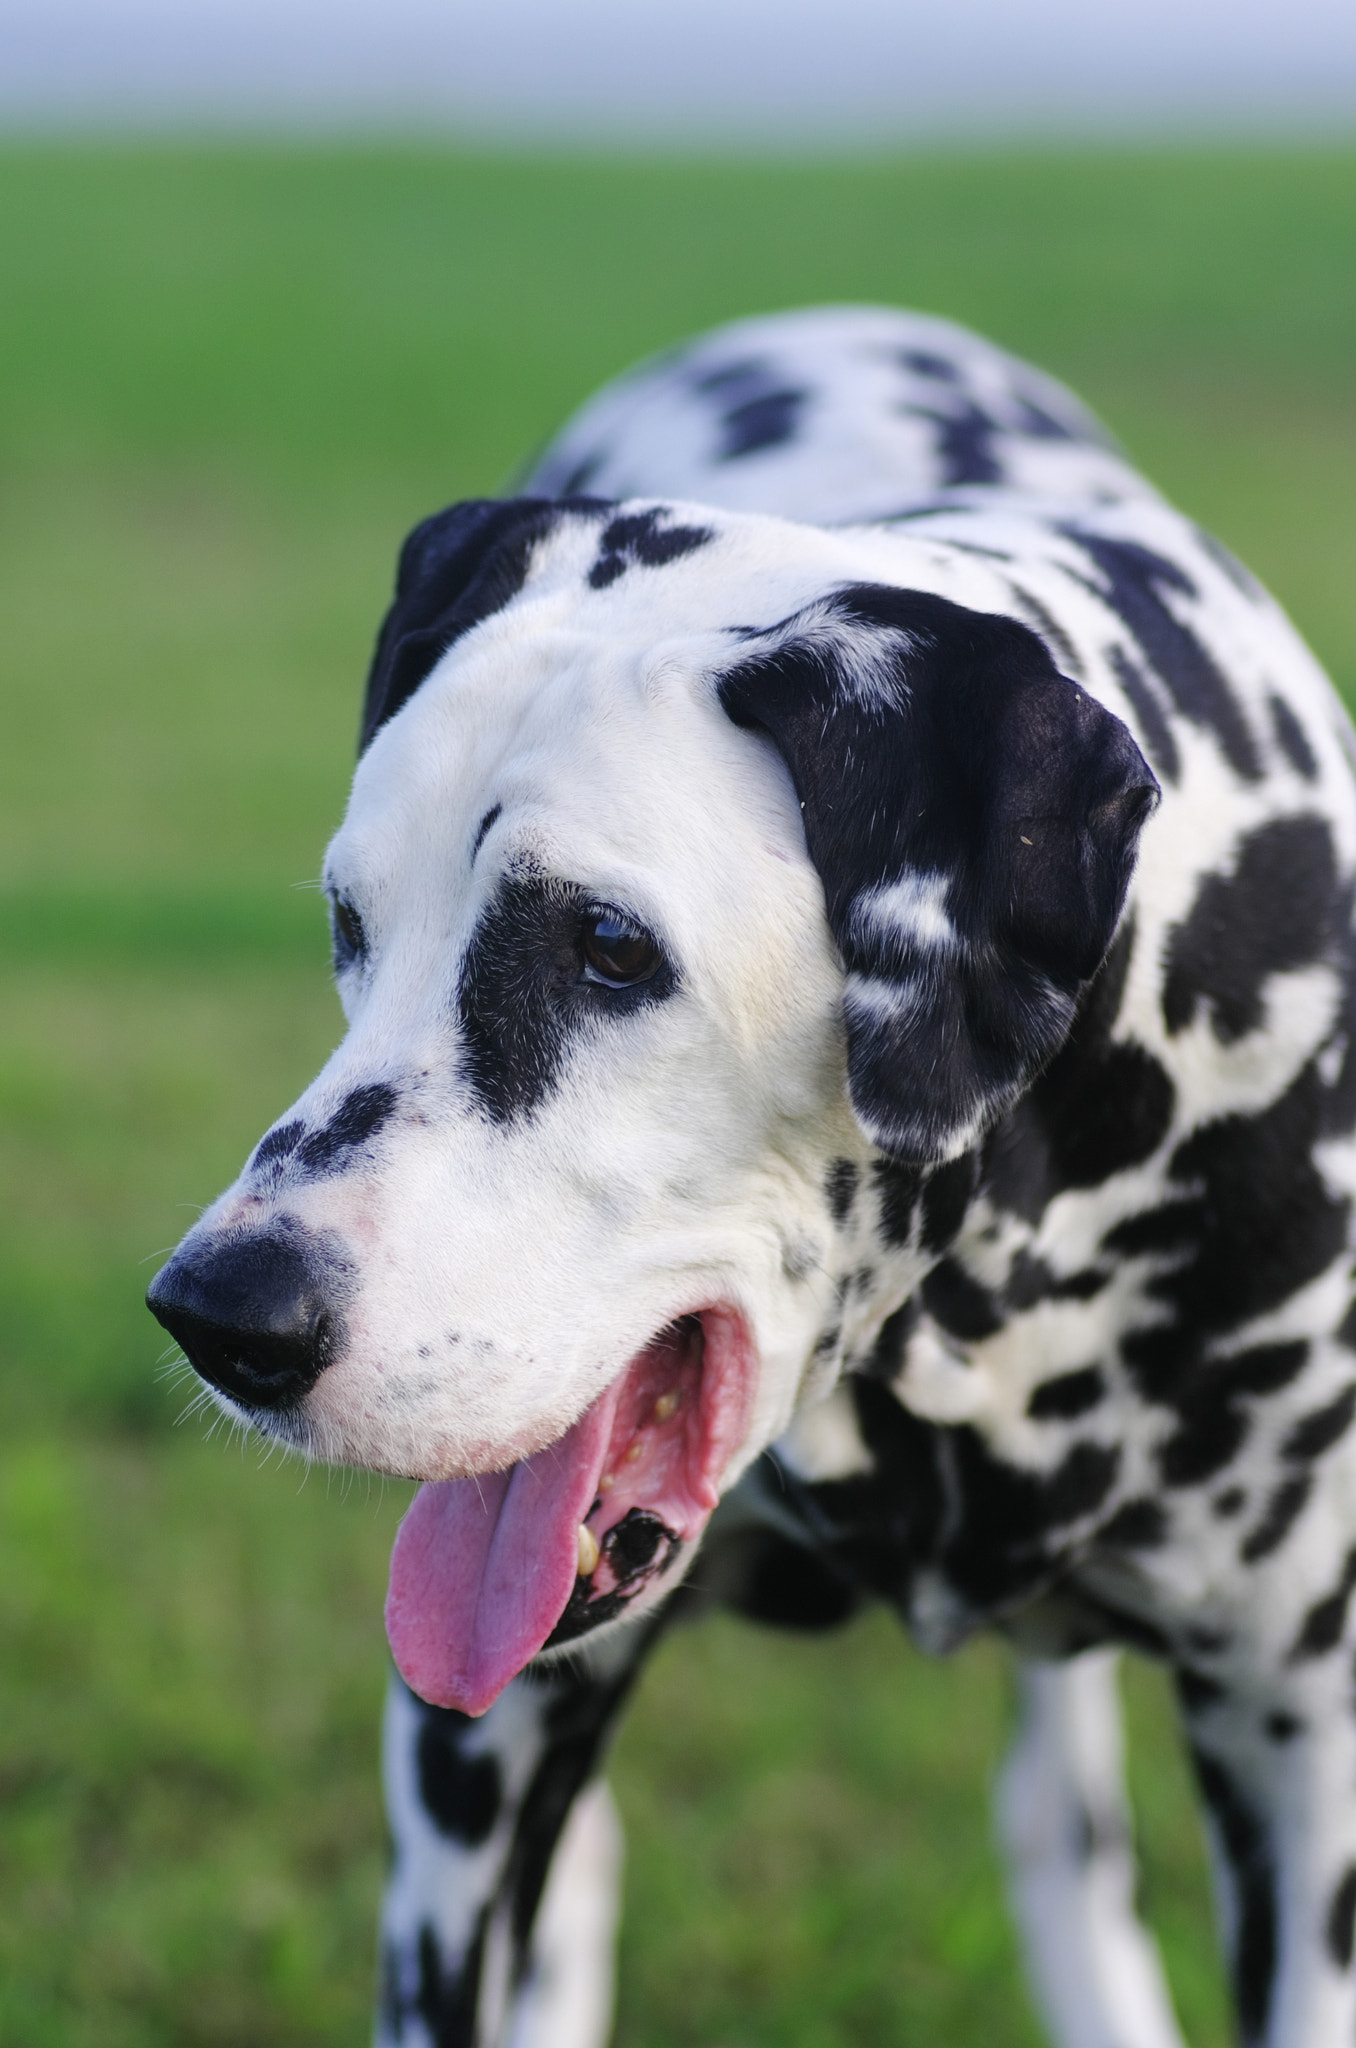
[
  {"x": 973, "y": 816},
  {"x": 455, "y": 570}
]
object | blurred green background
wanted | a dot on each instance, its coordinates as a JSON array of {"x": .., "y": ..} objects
[{"x": 229, "y": 380}]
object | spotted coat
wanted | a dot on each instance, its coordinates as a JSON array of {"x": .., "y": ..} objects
[{"x": 1064, "y": 1338}]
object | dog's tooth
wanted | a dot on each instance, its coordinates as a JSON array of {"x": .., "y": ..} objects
[
  {"x": 589, "y": 1552},
  {"x": 632, "y": 1454},
  {"x": 607, "y": 1482},
  {"x": 667, "y": 1405}
]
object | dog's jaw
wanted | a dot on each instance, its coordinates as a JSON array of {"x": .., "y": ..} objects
[{"x": 489, "y": 1570}]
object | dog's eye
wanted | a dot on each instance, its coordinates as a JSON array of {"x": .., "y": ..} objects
[
  {"x": 617, "y": 953},
  {"x": 350, "y": 940}
]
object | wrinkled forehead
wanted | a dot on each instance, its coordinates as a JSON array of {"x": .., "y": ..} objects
[{"x": 582, "y": 720}]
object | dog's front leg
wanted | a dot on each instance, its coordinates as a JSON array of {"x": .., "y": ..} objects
[
  {"x": 1276, "y": 1761},
  {"x": 1064, "y": 1823},
  {"x": 499, "y": 1918}
]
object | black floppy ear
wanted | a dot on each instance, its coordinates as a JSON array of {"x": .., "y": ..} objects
[
  {"x": 455, "y": 570},
  {"x": 973, "y": 816}
]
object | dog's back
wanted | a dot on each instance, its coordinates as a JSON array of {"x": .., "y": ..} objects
[{"x": 835, "y": 415}]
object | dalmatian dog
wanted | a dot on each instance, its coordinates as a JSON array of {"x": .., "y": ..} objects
[{"x": 845, "y": 925}]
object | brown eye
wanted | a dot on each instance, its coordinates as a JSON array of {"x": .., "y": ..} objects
[
  {"x": 350, "y": 940},
  {"x": 615, "y": 952}
]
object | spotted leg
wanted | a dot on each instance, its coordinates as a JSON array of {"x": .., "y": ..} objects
[
  {"x": 499, "y": 1917},
  {"x": 1064, "y": 1824},
  {"x": 1277, "y": 1768}
]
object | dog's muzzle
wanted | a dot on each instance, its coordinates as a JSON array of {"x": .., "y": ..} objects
[{"x": 259, "y": 1313}]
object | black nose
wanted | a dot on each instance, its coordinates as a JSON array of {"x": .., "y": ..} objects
[{"x": 258, "y": 1316}]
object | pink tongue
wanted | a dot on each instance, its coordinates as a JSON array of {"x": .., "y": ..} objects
[{"x": 482, "y": 1568}]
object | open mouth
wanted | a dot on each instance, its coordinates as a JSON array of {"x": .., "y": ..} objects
[{"x": 489, "y": 1570}]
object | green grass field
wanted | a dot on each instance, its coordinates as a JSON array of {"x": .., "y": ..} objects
[{"x": 229, "y": 380}]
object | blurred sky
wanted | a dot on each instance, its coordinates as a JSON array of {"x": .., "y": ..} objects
[{"x": 756, "y": 73}]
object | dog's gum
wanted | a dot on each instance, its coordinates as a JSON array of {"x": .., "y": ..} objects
[{"x": 589, "y": 1552}]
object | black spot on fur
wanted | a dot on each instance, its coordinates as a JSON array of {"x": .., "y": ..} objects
[
  {"x": 1013, "y": 1524},
  {"x": 959, "y": 1303},
  {"x": 1231, "y": 1502},
  {"x": 1281, "y": 908},
  {"x": 964, "y": 443},
  {"x": 278, "y": 1144},
  {"x": 1258, "y": 1224},
  {"x": 1282, "y": 1727},
  {"x": 1291, "y": 738},
  {"x": 1341, "y": 1928},
  {"x": 1158, "y": 739},
  {"x": 887, "y": 1356},
  {"x": 1137, "y": 584},
  {"x": 1072, "y": 1393},
  {"x": 1322, "y": 1627},
  {"x": 1263, "y": 1368},
  {"x": 1137, "y": 1525},
  {"x": 523, "y": 999},
  {"x": 924, "y": 363},
  {"x": 972, "y": 547},
  {"x": 359, "y": 1117},
  {"x": 937, "y": 1501},
  {"x": 578, "y": 1719},
  {"x": 898, "y": 1187},
  {"x": 1207, "y": 1396},
  {"x": 456, "y": 569},
  {"x": 495, "y": 811},
  {"x": 461, "y": 1794},
  {"x": 757, "y": 424},
  {"x": 870, "y": 1528},
  {"x": 948, "y": 1194},
  {"x": 1278, "y": 1518},
  {"x": 1244, "y": 1843},
  {"x": 757, "y": 411},
  {"x": 1034, "y": 420},
  {"x": 1318, "y": 1432},
  {"x": 638, "y": 540},
  {"x": 840, "y": 1189},
  {"x": 447, "y": 2002},
  {"x": 1030, "y": 1280},
  {"x": 1210, "y": 1435},
  {"x": 581, "y": 476}
]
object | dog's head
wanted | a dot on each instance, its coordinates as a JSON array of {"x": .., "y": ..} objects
[{"x": 687, "y": 874}]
